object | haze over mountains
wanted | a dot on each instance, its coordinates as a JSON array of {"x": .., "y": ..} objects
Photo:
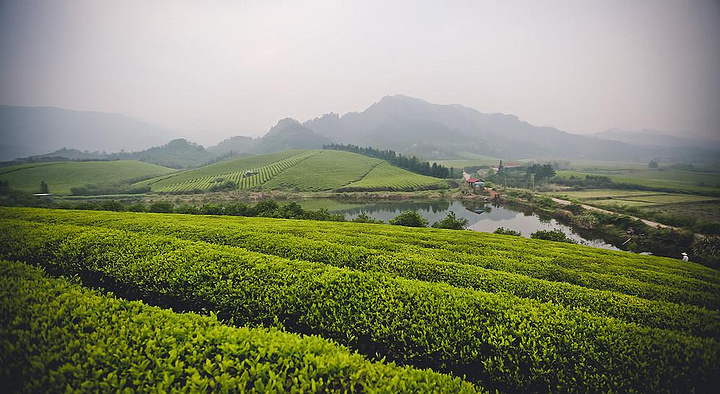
[
  {"x": 401, "y": 123},
  {"x": 26, "y": 131}
]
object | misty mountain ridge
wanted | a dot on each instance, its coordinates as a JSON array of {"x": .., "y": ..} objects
[
  {"x": 415, "y": 126},
  {"x": 401, "y": 123},
  {"x": 289, "y": 134}
]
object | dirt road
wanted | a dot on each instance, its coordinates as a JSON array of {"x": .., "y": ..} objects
[{"x": 590, "y": 207}]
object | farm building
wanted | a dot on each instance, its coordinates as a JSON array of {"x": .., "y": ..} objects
[{"x": 476, "y": 182}]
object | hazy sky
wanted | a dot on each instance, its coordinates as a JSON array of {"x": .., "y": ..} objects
[{"x": 219, "y": 68}]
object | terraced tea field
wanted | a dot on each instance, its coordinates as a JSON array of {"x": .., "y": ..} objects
[
  {"x": 308, "y": 170},
  {"x": 669, "y": 180},
  {"x": 62, "y": 176},
  {"x": 502, "y": 312},
  {"x": 605, "y": 197}
]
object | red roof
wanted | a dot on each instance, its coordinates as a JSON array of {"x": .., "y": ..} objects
[{"x": 472, "y": 180}]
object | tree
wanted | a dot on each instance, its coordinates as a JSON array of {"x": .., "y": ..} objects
[
  {"x": 291, "y": 210},
  {"x": 507, "y": 231},
  {"x": 653, "y": 164},
  {"x": 266, "y": 208},
  {"x": 409, "y": 219},
  {"x": 112, "y": 205},
  {"x": 556, "y": 235},
  {"x": 44, "y": 188},
  {"x": 161, "y": 207},
  {"x": 364, "y": 218},
  {"x": 452, "y": 222}
]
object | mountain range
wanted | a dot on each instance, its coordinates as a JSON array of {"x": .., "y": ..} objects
[{"x": 401, "y": 123}]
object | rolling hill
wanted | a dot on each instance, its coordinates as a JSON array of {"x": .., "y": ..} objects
[
  {"x": 304, "y": 170},
  {"x": 62, "y": 176}
]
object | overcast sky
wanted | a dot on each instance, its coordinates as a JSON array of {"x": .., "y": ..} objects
[{"x": 214, "y": 69}]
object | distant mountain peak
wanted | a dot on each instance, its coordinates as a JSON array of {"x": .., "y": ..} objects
[{"x": 285, "y": 122}]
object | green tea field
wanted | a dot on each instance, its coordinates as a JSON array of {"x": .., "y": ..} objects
[
  {"x": 483, "y": 311},
  {"x": 668, "y": 180},
  {"x": 62, "y": 176},
  {"x": 308, "y": 170}
]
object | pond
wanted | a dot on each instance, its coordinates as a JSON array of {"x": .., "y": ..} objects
[{"x": 481, "y": 216}]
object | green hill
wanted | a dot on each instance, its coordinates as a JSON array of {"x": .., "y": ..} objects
[
  {"x": 305, "y": 170},
  {"x": 62, "y": 176},
  {"x": 507, "y": 313}
]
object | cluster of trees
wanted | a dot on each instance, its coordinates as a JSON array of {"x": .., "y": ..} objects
[
  {"x": 526, "y": 176},
  {"x": 540, "y": 172},
  {"x": 410, "y": 163},
  {"x": 265, "y": 208},
  {"x": 414, "y": 219}
]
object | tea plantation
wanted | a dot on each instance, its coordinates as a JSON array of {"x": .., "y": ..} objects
[
  {"x": 485, "y": 311},
  {"x": 306, "y": 170}
]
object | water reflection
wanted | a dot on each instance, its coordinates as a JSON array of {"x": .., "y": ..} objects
[{"x": 481, "y": 216}]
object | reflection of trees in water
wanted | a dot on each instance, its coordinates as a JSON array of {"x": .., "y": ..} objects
[
  {"x": 476, "y": 206},
  {"x": 431, "y": 206},
  {"x": 476, "y": 210}
]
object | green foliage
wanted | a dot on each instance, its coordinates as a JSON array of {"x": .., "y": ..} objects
[
  {"x": 225, "y": 185},
  {"x": 112, "y": 205},
  {"x": 60, "y": 177},
  {"x": 653, "y": 164},
  {"x": 161, "y": 207},
  {"x": 409, "y": 219},
  {"x": 556, "y": 235},
  {"x": 44, "y": 187},
  {"x": 452, "y": 222},
  {"x": 211, "y": 209},
  {"x": 266, "y": 208},
  {"x": 501, "y": 310},
  {"x": 507, "y": 231},
  {"x": 57, "y": 337},
  {"x": 411, "y": 163},
  {"x": 364, "y": 218},
  {"x": 386, "y": 177},
  {"x": 307, "y": 170}
]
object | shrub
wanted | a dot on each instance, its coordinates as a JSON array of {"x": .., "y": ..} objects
[
  {"x": 211, "y": 209},
  {"x": 364, "y": 218},
  {"x": 161, "y": 207},
  {"x": 507, "y": 231},
  {"x": 452, "y": 222},
  {"x": 136, "y": 207},
  {"x": 409, "y": 219},
  {"x": 266, "y": 208},
  {"x": 99, "y": 343},
  {"x": 187, "y": 209},
  {"x": 112, "y": 205},
  {"x": 556, "y": 235}
]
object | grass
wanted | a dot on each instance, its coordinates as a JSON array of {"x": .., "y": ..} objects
[{"x": 62, "y": 176}]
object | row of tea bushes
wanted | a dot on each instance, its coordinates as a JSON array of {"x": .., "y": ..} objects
[
  {"x": 56, "y": 336},
  {"x": 496, "y": 339},
  {"x": 414, "y": 264}
]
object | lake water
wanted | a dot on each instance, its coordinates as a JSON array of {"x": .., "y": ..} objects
[{"x": 481, "y": 216}]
